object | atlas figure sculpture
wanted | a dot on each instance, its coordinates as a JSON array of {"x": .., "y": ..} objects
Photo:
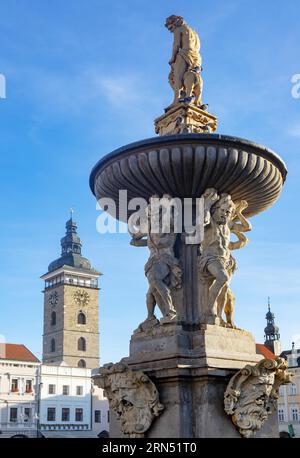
[{"x": 216, "y": 264}]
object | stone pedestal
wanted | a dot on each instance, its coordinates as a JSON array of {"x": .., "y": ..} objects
[
  {"x": 185, "y": 118},
  {"x": 191, "y": 371}
]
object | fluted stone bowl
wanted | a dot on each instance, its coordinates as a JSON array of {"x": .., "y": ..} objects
[{"x": 185, "y": 165}]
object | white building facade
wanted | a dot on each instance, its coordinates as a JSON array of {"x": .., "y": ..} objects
[
  {"x": 18, "y": 391},
  {"x": 289, "y": 396},
  {"x": 69, "y": 405}
]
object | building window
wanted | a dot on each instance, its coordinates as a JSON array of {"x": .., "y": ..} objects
[
  {"x": 281, "y": 390},
  {"x": 97, "y": 416},
  {"x": 66, "y": 390},
  {"x": 82, "y": 344},
  {"x": 293, "y": 389},
  {"x": 14, "y": 385},
  {"x": 81, "y": 319},
  {"x": 81, "y": 363},
  {"x": 28, "y": 386},
  {"x": 51, "y": 389},
  {"x": 52, "y": 346},
  {"x": 281, "y": 415},
  {"x": 65, "y": 414},
  {"x": 295, "y": 414},
  {"x": 51, "y": 414},
  {"x": 13, "y": 415},
  {"x": 53, "y": 318},
  {"x": 27, "y": 414},
  {"x": 79, "y": 390},
  {"x": 78, "y": 414}
]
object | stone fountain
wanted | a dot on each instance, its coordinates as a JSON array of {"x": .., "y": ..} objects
[{"x": 181, "y": 367}]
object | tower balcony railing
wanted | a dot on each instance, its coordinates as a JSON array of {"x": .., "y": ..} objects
[{"x": 71, "y": 281}]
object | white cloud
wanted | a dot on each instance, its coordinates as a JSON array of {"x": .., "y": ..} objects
[
  {"x": 294, "y": 131},
  {"x": 120, "y": 90}
]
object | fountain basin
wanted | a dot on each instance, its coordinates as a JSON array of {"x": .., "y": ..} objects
[{"x": 185, "y": 165}]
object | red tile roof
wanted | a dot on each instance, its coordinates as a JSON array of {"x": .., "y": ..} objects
[
  {"x": 17, "y": 352},
  {"x": 261, "y": 349}
]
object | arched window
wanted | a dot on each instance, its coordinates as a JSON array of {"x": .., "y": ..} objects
[
  {"x": 81, "y": 363},
  {"x": 81, "y": 344},
  {"x": 81, "y": 319},
  {"x": 52, "y": 345},
  {"x": 53, "y": 318}
]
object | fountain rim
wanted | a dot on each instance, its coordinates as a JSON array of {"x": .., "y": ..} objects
[{"x": 206, "y": 139}]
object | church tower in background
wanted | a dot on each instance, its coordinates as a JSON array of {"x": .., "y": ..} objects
[
  {"x": 272, "y": 336},
  {"x": 71, "y": 309}
]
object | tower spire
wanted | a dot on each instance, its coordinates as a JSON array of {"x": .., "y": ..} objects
[
  {"x": 272, "y": 336},
  {"x": 71, "y": 242},
  {"x": 71, "y": 246}
]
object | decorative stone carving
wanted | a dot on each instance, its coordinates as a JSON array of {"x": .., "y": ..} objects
[
  {"x": 185, "y": 118},
  {"x": 216, "y": 264},
  {"x": 252, "y": 393},
  {"x": 132, "y": 395},
  {"x": 162, "y": 268}
]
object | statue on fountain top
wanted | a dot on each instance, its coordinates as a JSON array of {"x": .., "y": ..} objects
[
  {"x": 186, "y": 63},
  {"x": 187, "y": 113}
]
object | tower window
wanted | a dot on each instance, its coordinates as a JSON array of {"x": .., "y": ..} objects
[
  {"x": 81, "y": 319},
  {"x": 81, "y": 344},
  {"x": 81, "y": 363},
  {"x": 53, "y": 318},
  {"x": 52, "y": 345}
]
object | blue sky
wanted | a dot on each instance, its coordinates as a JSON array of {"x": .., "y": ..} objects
[{"x": 85, "y": 77}]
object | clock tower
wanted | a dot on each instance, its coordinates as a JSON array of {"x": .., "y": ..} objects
[{"x": 71, "y": 310}]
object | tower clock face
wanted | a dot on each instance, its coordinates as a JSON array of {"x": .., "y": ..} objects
[
  {"x": 53, "y": 298},
  {"x": 81, "y": 297}
]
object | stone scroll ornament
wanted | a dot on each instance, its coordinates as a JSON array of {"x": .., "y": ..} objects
[
  {"x": 162, "y": 269},
  {"x": 216, "y": 265},
  {"x": 133, "y": 397},
  {"x": 252, "y": 393}
]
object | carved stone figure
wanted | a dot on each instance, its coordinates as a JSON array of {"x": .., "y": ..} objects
[
  {"x": 216, "y": 264},
  {"x": 185, "y": 76},
  {"x": 162, "y": 268},
  {"x": 132, "y": 395},
  {"x": 252, "y": 393}
]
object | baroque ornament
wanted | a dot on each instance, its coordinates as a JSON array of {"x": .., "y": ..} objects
[
  {"x": 252, "y": 393},
  {"x": 132, "y": 395}
]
